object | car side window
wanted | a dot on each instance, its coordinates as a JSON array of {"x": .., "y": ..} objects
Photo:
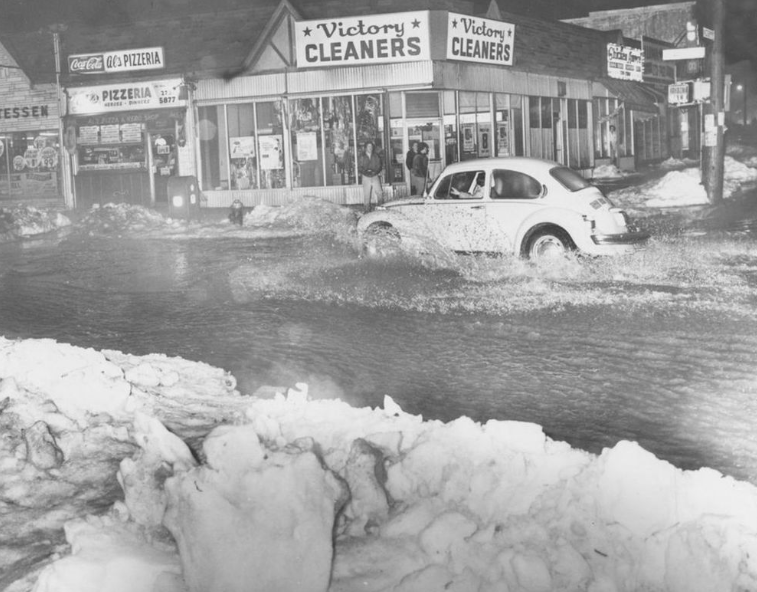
[
  {"x": 442, "y": 190},
  {"x": 467, "y": 185},
  {"x": 514, "y": 185}
]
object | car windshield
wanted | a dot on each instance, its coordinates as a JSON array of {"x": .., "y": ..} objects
[{"x": 569, "y": 179}]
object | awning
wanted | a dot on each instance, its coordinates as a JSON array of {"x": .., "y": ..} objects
[{"x": 635, "y": 95}]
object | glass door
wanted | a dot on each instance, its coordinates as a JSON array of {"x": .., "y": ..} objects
[{"x": 426, "y": 131}]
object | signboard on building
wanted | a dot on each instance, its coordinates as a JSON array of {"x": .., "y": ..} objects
[
  {"x": 128, "y": 96},
  {"x": 481, "y": 40},
  {"x": 625, "y": 63},
  {"x": 127, "y": 60},
  {"x": 24, "y": 111},
  {"x": 683, "y": 53},
  {"x": 378, "y": 39},
  {"x": 679, "y": 93}
]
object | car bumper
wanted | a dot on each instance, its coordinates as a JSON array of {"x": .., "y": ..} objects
[{"x": 626, "y": 238}]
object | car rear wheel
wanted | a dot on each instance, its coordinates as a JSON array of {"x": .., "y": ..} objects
[
  {"x": 381, "y": 240},
  {"x": 549, "y": 242}
]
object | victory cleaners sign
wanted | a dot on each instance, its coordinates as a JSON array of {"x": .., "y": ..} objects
[
  {"x": 473, "y": 39},
  {"x": 384, "y": 38}
]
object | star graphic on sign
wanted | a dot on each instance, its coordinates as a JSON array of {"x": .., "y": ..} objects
[
  {"x": 454, "y": 23},
  {"x": 416, "y": 24},
  {"x": 307, "y": 31},
  {"x": 509, "y": 32}
]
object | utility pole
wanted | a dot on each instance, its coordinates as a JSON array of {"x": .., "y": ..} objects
[{"x": 713, "y": 149}]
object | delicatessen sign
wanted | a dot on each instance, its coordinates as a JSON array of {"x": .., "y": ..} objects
[
  {"x": 125, "y": 97},
  {"x": 480, "y": 40},
  {"x": 384, "y": 38},
  {"x": 128, "y": 60}
]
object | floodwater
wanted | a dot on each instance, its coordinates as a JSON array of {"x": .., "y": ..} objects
[{"x": 657, "y": 347}]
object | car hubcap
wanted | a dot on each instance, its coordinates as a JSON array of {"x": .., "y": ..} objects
[{"x": 548, "y": 246}]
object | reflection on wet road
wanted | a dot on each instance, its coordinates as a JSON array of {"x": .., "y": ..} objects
[{"x": 657, "y": 347}]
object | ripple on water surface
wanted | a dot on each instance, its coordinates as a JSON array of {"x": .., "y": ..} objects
[{"x": 657, "y": 346}]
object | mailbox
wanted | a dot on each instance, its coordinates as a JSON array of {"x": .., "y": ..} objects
[{"x": 183, "y": 197}]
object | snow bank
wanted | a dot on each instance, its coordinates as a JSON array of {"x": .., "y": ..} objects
[
  {"x": 25, "y": 221},
  {"x": 682, "y": 188},
  {"x": 608, "y": 171},
  {"x": 413, "y": 504}
]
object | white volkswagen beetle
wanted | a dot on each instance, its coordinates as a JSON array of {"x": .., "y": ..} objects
[{"x": 525, "y": 206}]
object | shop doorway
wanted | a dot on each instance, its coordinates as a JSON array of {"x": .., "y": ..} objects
[{"x": 428, "y": 131}]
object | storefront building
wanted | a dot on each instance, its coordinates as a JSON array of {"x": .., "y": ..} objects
[
  {"x": 125, "y": 137},
  {"x": 29, "y": 137},
  {"x": 126, "y": 140},
  {"x": 314, "y": 92}
]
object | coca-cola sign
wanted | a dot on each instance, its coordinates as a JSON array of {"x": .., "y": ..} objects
[
  {"x": 86, "y": 64},
  {"x": 124, "y": 60}
]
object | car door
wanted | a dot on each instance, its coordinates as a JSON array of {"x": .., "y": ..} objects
[
  {"x": 513, "y": 197},
  {"x": 455, "y": 212}
]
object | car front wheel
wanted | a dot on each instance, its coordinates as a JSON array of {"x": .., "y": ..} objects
[
  {"x": 548, "y": 242},
  {"x": 381, "y": 240}
]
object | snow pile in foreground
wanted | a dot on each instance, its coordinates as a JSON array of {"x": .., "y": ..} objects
[
  {"x": 23, "y": 221},
  {"x": 683, "y": 188},
  {"x": 415, "y": 505}
]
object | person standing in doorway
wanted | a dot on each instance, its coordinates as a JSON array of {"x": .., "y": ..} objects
[
  {"x": 369, "y": 166},
  {"x": 613, "y": 141},
  {"x": 409, "y": 162},
  {"x": 419, "y": 172}
]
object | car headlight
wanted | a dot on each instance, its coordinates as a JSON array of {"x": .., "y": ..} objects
[{"x": 177, "y": 201}]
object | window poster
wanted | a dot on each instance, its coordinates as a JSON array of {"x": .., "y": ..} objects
[
  {"x": 271, "y": 156},
  {"x": 469, "y": 141},
  {"x": 243, "y": 147},
  {"x": 503, "y": 139},
  {"x": 484, "y": 139},
  {"x": 307, "y": 146}
]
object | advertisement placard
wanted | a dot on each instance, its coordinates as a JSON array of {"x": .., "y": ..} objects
[
  {"x": 371, "y": 39},
  {"x": 625, "y": 63},
  {"x": 127, "y": 96},
  {"x": 474, "y": 39},
  {"x": 126, "y": 60}
]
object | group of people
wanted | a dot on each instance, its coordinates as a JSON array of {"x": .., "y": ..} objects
[{"x": 370, "y": 164}]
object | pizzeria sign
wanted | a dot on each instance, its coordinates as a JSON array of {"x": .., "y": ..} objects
[
  {"x": 127, "y": 60},
  {"x": 129, "y": 96}
]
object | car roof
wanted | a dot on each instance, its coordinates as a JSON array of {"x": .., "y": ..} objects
[{"x": 521, "y": 163}]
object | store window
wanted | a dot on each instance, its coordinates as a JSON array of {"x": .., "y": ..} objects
[
  {"x": 270, "y": 133},
  {"x": 243, "y": 153},
  {"x": 339, "y": 139},
  {"x": 475, "y": 126},
  {"x": 578, "y": 134},
  {"x": 242, "y": 146},
  {"x": 29, "y": 165},
  {"x": 369, "y": 122},
  {"x": 211, "y": 128},
  {"x": 450, "y": 127},
  {"x": 307, "y": 143}
]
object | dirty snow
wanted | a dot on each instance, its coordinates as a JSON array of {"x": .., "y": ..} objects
[
  {"x": 24, "y": 221},
  {"x": 683, "y": 187},
  {"x": 415, "y": 505}
]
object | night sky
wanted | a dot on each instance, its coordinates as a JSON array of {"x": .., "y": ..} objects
[{"x": 16, "y": 15}]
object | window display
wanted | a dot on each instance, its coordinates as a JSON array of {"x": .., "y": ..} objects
[
  {"x": 111, "y": 146},
  {"x": 340, "y": 141},
  {"x": 29, "y": 165}
]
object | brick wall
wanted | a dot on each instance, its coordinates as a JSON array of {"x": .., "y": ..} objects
[{"x": 23, "y": 108}]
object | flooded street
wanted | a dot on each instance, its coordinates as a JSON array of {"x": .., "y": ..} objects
[{"x": 657, "y": 347}]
